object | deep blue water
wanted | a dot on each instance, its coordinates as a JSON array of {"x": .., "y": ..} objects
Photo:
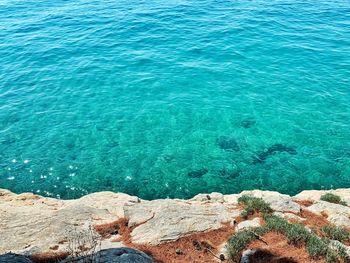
[{"x": 171, "y": 98}]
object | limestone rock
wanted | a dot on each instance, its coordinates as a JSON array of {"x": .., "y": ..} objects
[
  {"x": 327, "y": 208},
  {"x": 160, "y": 221},
  {"x": 277, "y": 201},
  {"x": 231, "y": 199},
  {"x": 213, "y": 198},
  {"x": 289, "y": 216},
  {"x": 339, "y": 220},
  {"x": 315, "y": 195},
  {"x": 336, "y": 214},
  {"x": 248, "y": 224},
  {"x": 32, "y": 224}
]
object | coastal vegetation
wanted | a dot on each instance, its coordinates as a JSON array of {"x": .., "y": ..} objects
[
  {"x": 296, "y": 234},
  {"x": 332, "y": 198}
]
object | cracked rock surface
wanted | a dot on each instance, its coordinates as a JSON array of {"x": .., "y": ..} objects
[{"x": 31, "y": 224}]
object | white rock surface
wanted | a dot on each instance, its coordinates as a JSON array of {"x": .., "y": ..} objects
[
  {"x": 30, "y": 223},
  {"x": 231, "y": 199},
  {"x": 336, "y": 214},
  {"x": 277, "y": 201},
  {"x": 339, "y": 220},
  {"x": 212, "y": 198},
  {"x": 166, "y": 220},
  {"x": 289, "y": 216},
  {"x": 315, "y": 195},
  {"x": 248, "y": 224},
  {"x": 323, "y": 207}
]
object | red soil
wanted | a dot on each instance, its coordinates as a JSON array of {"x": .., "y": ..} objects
[{"x": 278, "y": 246}]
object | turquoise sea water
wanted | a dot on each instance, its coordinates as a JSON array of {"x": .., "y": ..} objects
[{"x": 172, "y": 98}]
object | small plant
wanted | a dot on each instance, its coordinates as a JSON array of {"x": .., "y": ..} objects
[
  {"x": 343, "y": 253},
  {"x": 316, "y": 247},
  {"x": 332, "y": 198},
  {"x": 253, "y": 204},
  {"x": 83, "y": 245},
  {"x": 336, "y": 233},
  {"x": 296, "y": 234},
  {"x": 332, "y": 256},
  {"x": 239, "y": 241}
]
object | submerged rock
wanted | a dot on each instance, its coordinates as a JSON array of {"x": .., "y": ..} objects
[
  {"x": 229, "y": 173},
  {"x": 247, "y": 123},
  {"x": 276, "y": 148},
  {"x": 197, "y": 173},
  {"x": 228, "y": 143}
]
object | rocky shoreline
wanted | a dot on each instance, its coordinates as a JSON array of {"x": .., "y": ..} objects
[{"x": 34, "y": 225}]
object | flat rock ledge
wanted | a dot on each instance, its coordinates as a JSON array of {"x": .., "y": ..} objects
[{"x": 32, "y": 224}]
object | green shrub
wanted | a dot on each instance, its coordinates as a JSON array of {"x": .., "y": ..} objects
[
  {"x": 343, "y": 254},
  {"x": 331, "y": 256},
  {"x": 253, "y": 204},
  {"x": 296, "y": 234},
  {"x": 316, "y": 247},
  {"x": 275, "y": 223},
  {"x": 332, "y": 198},
  {"x": 336, "y": 233},
  {"x": 238, "y": 242}
]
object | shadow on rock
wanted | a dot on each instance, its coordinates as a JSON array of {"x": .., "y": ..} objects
[{"x": 263, "y": 256}]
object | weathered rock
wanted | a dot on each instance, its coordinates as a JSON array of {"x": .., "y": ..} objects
[
  {"x": 277, "y": 201},
  {"x": 115, "y": 255},
  {"x": 248, "y": 224},
  {"x": 289, "y": 216},
  {"x": 166, "y": 220},
  {"x": 212, "y": 198},
  {"x": 323, "y": 207},
  {"x": 315, "y": 195},
  {"x": 32, "y": 224},
  {"x": 336, "y": 214},
  {"x": 14, "y": 258},
  {"x": 339, "y": 220},
  {"x": 231, "y": 199}
]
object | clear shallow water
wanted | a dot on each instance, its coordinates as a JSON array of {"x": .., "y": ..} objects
[{"x": 172, "y": 98}]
